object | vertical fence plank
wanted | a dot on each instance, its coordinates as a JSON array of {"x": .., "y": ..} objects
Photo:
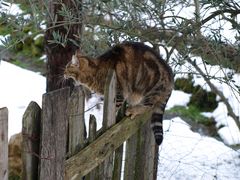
[
  {"x": 4, "y": 143},
  {"x": 77, "y": 128},
  {"x": 53, "y": 134},
  {"x": 92, "y": 128},
  {"x": 14, "y": 156},
  {"x": 147, "y": 154},
  {"x": 92, "y": 135},
  {"x": 109, "y": 109},
  {"x": 119, "y": 151},
  {"x": 109, "y": 118},
  {"x": 31, "y": 140},
  {"x": 130, "y": 158},
  {"x": 141, "y": 155}
]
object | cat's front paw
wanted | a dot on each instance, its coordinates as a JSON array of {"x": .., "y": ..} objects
[{"x": 130, "y": 112}]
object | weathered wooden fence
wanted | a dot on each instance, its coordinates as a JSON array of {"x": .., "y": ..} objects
[
  {"x": 55, "y": 145},
  {"x": 4, "y": 144}
]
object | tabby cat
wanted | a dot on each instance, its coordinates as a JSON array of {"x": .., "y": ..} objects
[{"x": 144, "y": 79}]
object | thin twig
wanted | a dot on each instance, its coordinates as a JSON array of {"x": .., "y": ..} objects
[{"x": 215, "y": 90}]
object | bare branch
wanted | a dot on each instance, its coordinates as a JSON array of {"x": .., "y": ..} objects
[
  {"x": 215, "y": 90},
  {"x": 233, "y": 12}
]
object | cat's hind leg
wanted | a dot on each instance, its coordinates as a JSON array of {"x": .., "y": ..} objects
[
  {"x": 133, "y": 111},
  {"x": 135, "y": 106}
]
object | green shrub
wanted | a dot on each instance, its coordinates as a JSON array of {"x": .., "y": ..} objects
[
  {"x": 184, "y": 84},
  {"x": 192, "y": 113},
  {"x": 205, "y": 101}
]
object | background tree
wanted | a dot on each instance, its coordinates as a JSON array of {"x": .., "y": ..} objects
[
  {"x": 186, "y": 33},
  {"x": 62, "y": 38},
  {"x": 182, "y": 30}
]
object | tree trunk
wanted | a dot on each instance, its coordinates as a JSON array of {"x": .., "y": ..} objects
[{"x": 62, "y": 38}]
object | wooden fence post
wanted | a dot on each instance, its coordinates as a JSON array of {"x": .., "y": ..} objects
[
  {"x": 109, "y": 119},
  {"x": 118, "y": 159},
  {"x": 31, "y": 140},
  {"x": 77, "y": 128},
  {"x": 147, "y": 154},
  {"x": 105, "y": 169},
  {"x": 92, "y": 135},
  {"x": 141, "y": 155},
  {"x": 54, "y": 134},
  {"x": 130, "y": 158},
  {"x": 4, "y": 143}
]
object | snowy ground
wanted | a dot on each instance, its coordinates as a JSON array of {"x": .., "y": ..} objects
[
  {"x": 18, "y": 88},
  {"x": 183, "y": 154}
]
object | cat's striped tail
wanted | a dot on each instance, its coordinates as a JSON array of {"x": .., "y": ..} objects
[
  {"x": 157, "y": 118},
  {"x": 157, "y": 127}
]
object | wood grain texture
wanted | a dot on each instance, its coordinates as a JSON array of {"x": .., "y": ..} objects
[
  {"x": 130, "y": 158},
  {"x": 4, "y": 143},
  {"x": 141, "y": 155},
  {"x": 54, "y": 134},
  {"x": 77, "y": 129},
  {"x": 31, "y": 141},
  {"x": 92, "y": 155},
  {"x": 93, "y": 175},
  {"x": 109, "y": 118},
  {"x": 118, "y": 155},
  {"x": 147, "y": 154},
  {"x": 109, "y": 109}
]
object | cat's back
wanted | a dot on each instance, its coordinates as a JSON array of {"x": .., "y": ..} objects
[
  {"x": 132, "y": 55},
  {"x": 130, "y": 51},
  {"x": 125, "y": 50}
]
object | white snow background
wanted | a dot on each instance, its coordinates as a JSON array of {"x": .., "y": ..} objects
[{"x": 183, "y": 155}]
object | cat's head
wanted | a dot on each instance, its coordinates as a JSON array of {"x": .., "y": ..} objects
[{"x": 79, "y": 68}]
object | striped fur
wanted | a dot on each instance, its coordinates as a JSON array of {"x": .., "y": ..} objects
[
  {"x": 157, "y": 127},
  {"x": 145, "y": 80}
]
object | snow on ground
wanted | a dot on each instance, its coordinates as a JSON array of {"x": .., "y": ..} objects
[
  {"x": 229, "y": 132},
  {"x": 178, "y": 98},
  {"x": 18, "y": 88},
  {"x": 183, "y": 155},
  {"x": 188, "y": 155},
  {"x": 10, "y": 8}
]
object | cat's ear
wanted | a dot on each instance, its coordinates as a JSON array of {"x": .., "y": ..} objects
[
  {"x": 75, "y": 60},
  {"x": 78, "y": 53}
]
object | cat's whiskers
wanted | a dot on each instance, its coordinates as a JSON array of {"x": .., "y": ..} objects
[{"x": 61, "y": 81}]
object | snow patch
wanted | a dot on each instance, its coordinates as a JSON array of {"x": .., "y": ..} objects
[
  {"x": 10, "y": 8},
  {"x": 178, "y": 98},
  {"x": 187, "y": 155},
  {"x": 18, "y": 88}
]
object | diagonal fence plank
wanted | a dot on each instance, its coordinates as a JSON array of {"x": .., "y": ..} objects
[{"x": 96, "y": 152}]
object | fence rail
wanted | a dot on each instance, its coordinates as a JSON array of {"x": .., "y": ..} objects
[{"x": 55, "y": 145}]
